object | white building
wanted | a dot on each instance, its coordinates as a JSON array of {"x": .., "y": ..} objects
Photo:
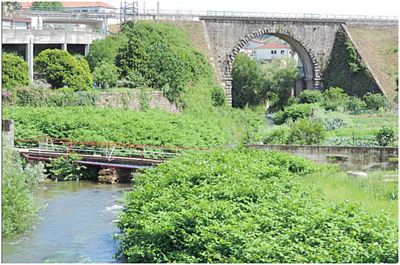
[
  {"x": 270, "y": 51},
  {"x": 87, "y": 7}
]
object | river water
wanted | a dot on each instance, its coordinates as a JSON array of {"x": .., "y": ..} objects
[{"x": 76, "y": 225}]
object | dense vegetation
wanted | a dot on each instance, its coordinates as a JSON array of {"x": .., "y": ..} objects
[
  {"x": 253, "y": 83},
  {"x": 126, "y": 126},
  {"x": 47, "y": 6},
  {"x": 244, "y": 206},
  {"x": 14, "y": 71},
  {"x": 19, "y": 208},
  {"x": 60, "y": 69}
]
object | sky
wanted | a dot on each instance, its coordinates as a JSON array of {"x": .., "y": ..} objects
[{"x": 338, "y": 7}]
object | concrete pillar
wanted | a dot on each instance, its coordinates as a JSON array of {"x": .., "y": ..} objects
[
  {"x": 64, "y": 47},
  {"x": 29, "y": 58},
  {"x": 8, "y": 129},
  {"x": 87, "y": 49},
  {"x": 309, "y": 83}
]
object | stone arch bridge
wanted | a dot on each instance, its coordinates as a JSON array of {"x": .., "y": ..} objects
[{"x": 313, "y": 40}]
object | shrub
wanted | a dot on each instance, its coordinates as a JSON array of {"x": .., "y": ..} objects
[
  {"x": 14, "y": 71},
  {"x": 245, "y": 206},
  {"x": 306, "y": 132},
  {"x": 66, "y": 168},
  {"x": 277, "y": 135},
  {"x": 385, "y": 136},
  {"x": 294, "y": 112},
  {"x": 332, "y": 119},
  {"x": 105, "y": 50},
  {"x": 61, "y": 69},
  {"x": 375, "y": 101},
  {"x": 163, "y": 56},
  {"x": 310, "y": 96},
  {"x": 334, "y": 97},
  {"x": 105, "y": 75},
  {"x": 47, "y": 6},
  {"x": 218, "y": 96},
  {"x": 19, "y": 208},
  {"x": 355, "y": 105}
]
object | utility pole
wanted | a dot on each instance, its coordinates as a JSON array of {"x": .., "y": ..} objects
[{"x": 128, "y": 11}]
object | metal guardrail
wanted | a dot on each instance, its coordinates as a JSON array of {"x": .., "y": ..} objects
[{"x": 211, "y": 13}]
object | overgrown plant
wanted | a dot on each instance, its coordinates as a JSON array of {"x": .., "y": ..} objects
[{"x": 66, "y": 168}]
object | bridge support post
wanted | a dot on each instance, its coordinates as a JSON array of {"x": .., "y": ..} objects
[{"x": 29, "y": 58}]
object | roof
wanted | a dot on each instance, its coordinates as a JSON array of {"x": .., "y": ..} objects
[
  {"x": 273, "y": 46},
  {"x": 27, "y": 5}
]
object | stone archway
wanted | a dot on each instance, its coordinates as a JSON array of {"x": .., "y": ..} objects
[{"x": 311, "y": 68}]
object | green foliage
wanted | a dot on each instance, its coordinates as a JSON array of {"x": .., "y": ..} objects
[
  {"x": 332, "y": 119},
  {"x": 353, "y": 59},
  {"x": 14, "y": 71},
  {"x": 355, "y": 105},
  {"x": 334, "y": 98},
  {"x": 161, "y": 55},
  {"x": 144, "y": 99},
  {"x": 306, "y": 132},
  {"x": 61, "y": 69},
  {"x": 245, "y": 206},
  {"x": 66, "y": 168},
  {"x": 105, "y": 75},
  {"x": 47, "y": 6},
  {"x": 218, "y": 97},
  {"x": 19, "y": 208},
  {"x": 385, "y": 136},
  {"x": 9, "y": 7},
  {"x": 294, "y": 112},
  {"x": 248, "y": 83},
  {"x": 375, "y": 101},
  {"x": 310, "y": 96},
  {"x": 277, "y": 135},
  {"x": 105, "y": 50}
]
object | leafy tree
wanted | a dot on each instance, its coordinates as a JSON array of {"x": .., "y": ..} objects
[
  {"x": 9, "y": 7},
  {"x": 14, "y": 71},
  {"x": 47, "y": 6},
  {"x": 375, "y": 101},
  {"x": 105, "y": 50},
  {"x": 248, "y": 84},
  {"x": 334, "y": 97},
  {"x": 385, "y": 136},
  {"x": 105, "y": 75},
  {"x": 310, "y": 96},
  {"x": 61, "y": 69},
  {"x": 306, "y": 132},
  {"x": 355, "y": 105},
  {"x": 163, "y": 56},
  {"x": 281, "y": 76}
]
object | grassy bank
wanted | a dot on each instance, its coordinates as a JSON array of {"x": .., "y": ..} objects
[{"x": 377, "y": 194}]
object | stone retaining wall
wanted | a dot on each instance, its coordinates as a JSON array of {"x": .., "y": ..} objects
[{"x": 347, "y": 157}]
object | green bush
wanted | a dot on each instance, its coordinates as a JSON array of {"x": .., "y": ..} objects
[
  {"x": 277, "y": 135},
  {"x": 310, "y": 96},
  {"x": 105, "y": 75},
  {"x": 245, "y": 206},
  {"x": 105, "y": 50},
  {"x": 47, "y": 6},
  {"x": 355, "y": 105},
  {"x": 14, "y": 71},
  {"x": 385, "y": 136},
  {"x": 294, "y": 112},
  {"x": 19, "y": 207},
  {"x": 61, "y": 69},
  {"x": 163, "y": 56},
  {"x": 332, "y": 119},
  {"x": 218, "y": 96},
  {"x": 306, "y": 132},
  {"x": 334, "y": 98},
  {"x": 66, "y": 168},
  {"x": 375, "y": 101}
]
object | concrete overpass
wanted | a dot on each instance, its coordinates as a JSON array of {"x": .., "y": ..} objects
[{"x": 30, "y": 42}]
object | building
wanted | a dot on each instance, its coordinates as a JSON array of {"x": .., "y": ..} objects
[
  {"x": 270, "y": 51},
  {"x": 16, "y": 23},
  {"x": 86, "y": 7}
]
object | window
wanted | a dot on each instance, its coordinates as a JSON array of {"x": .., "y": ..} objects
[
  {"x": 282, "y": 51},
  {"x": 273, "y": 52}
]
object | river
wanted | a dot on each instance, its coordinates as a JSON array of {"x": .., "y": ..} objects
[{"x": 76, "y": 225}]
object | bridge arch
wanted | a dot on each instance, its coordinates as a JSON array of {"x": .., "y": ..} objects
[{"x": 312, "y": 70}]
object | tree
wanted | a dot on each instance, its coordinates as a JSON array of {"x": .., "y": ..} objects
[
  {"x": 385, "y": 136},
  {"x": 248, "y": 82},
  {"x": 281, "y": 76},
  {"x": 9, "y": 7},
  {"x": 14, "y": 71},
  {"x": 310, "y": 96},
  {"x": 306, "y": 131},
  {"x": 61, "y": 69},
  {"x": 105, "y": 75},
  {"x": 334, "y": 97},
  {"x": 47, "y": 6},
  {"x": 375, "y": 101}
]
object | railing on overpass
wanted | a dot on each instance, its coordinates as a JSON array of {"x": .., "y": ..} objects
[{"x": 195, "y": 15}]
